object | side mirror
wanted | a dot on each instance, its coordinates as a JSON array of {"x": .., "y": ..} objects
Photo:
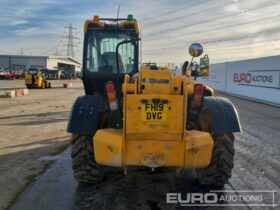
[
  {"x": 196, "y": 70},
  {"x": 195, "y": 50}
]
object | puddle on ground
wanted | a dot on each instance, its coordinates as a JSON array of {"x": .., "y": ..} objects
[{"x": 51, "y": 158}]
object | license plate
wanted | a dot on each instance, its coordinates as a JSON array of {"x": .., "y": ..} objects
[
  {"x": 28, "y": 81},
  {"x": 154, "y": 112}
]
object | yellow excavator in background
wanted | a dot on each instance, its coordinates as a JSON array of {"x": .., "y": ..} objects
[{"x": 148, "y": 116}]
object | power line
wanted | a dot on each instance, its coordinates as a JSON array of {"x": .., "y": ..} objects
[
  {"x": 49, "y": 49},
  {"x": 184, "y": 26},
  {"x": 174, "y": 11},
  {"x": 225, "y": 39},
  {"x": 260, "y": 45},
  {"x": 70, "y": 40},
  {"x": 222, "y": 27},
  {"x": 228, "y": 38},
  {"x": 187, "y": 15}
]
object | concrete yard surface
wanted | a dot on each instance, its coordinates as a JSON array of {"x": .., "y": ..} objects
[{"x": 33, "y": 130}]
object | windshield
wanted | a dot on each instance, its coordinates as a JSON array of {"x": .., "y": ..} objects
[
  {"x": 32, "y": 71},
  {"x": 101, "y": 52}
]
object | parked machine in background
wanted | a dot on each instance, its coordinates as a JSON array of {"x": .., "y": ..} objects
[
  {"x": 34, "y": 78},
  {"x": 148, "y": 116},
  {"x": 153, "y": 66},
  {"x": 11, "y": 74},
  {"x": 4, "y": 74}
]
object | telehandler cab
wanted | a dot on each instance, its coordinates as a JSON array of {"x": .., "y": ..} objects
[{"x": 147, "y": 117}]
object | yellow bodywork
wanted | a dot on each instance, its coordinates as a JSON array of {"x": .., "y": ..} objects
[
  {"x": 193, "y": 151},
  {"x": 154, "y": 126}
]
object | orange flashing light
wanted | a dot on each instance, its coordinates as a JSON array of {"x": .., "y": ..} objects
[{"x": 95, "y": 18}]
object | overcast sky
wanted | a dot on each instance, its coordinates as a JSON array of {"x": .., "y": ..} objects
[{"x": 228, "y": 29}]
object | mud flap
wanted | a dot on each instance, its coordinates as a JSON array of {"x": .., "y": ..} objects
[
  {"x": 221, "y": 115},
  {"x": 84, "y": 115}
]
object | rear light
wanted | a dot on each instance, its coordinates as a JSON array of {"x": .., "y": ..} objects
[
  {"x": 111, "y": 95},
  {"x": 197, "y": 98},
  {"x": 198, "y": 93},
  {"x": 110, "y": 87},
  {"x": 113, "y": 105},
  {"x": 199, "y": 88}
]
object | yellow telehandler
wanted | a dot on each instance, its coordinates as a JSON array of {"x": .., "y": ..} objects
[
  {"x": 148, "y": 116},
  {"x": 34, "y": 78}
]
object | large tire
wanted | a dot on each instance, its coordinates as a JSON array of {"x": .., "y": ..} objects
[
  {"x": 218, "y": 172},
  {"x": 85, "y": 168}
]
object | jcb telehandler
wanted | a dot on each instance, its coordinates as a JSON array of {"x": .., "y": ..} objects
[
  {"x": 147, "y": 117},
  {"x": 34, "y": 78}
]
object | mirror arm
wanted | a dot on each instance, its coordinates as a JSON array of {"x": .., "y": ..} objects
[
  {"x": 191, "y": 63},
  {"x": 185, "y": 67},
  {"x": 195, "y": 74}
]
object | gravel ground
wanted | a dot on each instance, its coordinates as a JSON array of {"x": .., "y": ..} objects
[
  {"x": 257, "y": 167},
  {"x": 32, "y": 128}
]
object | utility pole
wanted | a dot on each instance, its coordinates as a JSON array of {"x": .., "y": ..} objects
[{"x": 70, "y": 40}]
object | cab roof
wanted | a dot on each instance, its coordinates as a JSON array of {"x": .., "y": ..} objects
[{"x": 112, "y": 24}]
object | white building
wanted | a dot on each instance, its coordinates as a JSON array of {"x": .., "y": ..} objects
[{"x": 24, "y": 62}]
